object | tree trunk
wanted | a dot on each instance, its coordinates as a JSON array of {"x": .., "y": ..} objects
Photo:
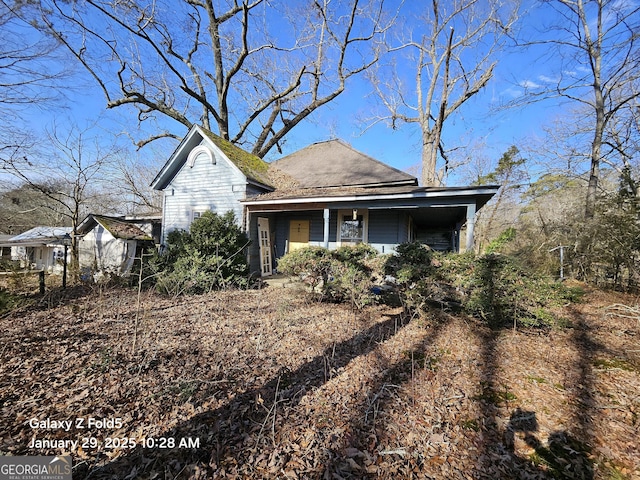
[{"x": 429, "y": 158}]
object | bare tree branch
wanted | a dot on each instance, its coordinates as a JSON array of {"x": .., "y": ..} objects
[{"x": 216, "y": 63}]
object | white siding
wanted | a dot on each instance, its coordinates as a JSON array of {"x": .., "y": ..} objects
[
  {"x": 98, "y": 250},
  {"x": 205, "y": 186}
]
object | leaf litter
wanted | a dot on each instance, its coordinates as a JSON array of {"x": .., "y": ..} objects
[{"x": 269, "y": 384}]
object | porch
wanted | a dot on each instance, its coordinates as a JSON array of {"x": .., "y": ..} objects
[{"x": 441, "y": 218}]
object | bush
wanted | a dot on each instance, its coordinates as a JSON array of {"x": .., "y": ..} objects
[
  {"x": 344, "y": 275},
  {"x": 412, "y": 269},
  {"x": 493, "y": 287},
  {"x": 312, "y": 264},
  {"x": 211, "y": 256}
]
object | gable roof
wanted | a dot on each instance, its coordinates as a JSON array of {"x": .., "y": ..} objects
[
  {"x": 118, "y": 227},
  {"x": 251, "y": 166},
  {"x": 335, "y": 163}
]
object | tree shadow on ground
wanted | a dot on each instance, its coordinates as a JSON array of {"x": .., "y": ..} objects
[
  {"x": 227, "y": 433},
  {"x": 224, "y": 433},
  {"x": 565, "y": 454}
]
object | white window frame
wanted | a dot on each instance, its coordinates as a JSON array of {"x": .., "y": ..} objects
[{"x": 364, "y": 213}]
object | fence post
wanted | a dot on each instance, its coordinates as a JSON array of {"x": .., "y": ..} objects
[{"x": 41, "y": 276}]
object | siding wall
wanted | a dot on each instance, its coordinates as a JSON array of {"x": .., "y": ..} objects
[
  {"x": 387, "y": 228},
  {"x": 205, "y": 186},
  {"x": 100, "y": 251}
]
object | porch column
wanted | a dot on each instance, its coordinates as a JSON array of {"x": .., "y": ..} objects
[
  {"x": 326, "y": 228},
  {"x": 471, "y": 221}
]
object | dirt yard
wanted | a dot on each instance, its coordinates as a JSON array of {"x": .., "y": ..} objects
[{"x": 267, "y": 384}]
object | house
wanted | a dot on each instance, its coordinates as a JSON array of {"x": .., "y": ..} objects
[
  {"x": 111, "y": 244},
  {"x": 326, "y": 194},
  {"x": 41, "y": 248}
]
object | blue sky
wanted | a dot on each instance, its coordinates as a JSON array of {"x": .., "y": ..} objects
[{"x": 478, "y": 122}]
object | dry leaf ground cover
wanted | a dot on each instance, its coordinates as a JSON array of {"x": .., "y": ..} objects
[{"x": 268, "y": 384}]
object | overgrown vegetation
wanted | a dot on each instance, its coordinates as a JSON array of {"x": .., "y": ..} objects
[
  {"x": 603, "y": 250},
  {"x": 340, "y": 275},
  {"x": 211, "y": 256},
  {"x": 494, "y": 287},
  {"x": 8, "y": 301}
]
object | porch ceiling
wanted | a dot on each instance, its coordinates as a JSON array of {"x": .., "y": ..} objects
[{"x": 439, "y": 217}]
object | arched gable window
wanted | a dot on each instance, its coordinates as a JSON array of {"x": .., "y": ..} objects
[{"x": 200, "y": 153}]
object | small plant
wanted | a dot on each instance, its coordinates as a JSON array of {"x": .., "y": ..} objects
[
  {"x": 536, "y": 379},
  {"x": 8, "y": 301},
  {"x": 470, "y": 424},
  {"x": 495, "y": 396},
  {"x": 614, "y": 363}
]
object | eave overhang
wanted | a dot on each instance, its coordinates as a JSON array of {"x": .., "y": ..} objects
[{"x": 415, "y": 197}]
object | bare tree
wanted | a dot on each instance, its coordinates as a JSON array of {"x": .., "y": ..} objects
[
  {"x": 134, "y": 185},
  {"x": 594, "y": 48},
  {"x": 250, "y": 69},
  {"x": 67, "y": 176},
  {"x": 30, "y": 69},
  {"x": 24, "y": 207},
  {"x": 452, "y": 59}
]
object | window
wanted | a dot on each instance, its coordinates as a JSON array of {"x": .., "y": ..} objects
[
  {"x": 197, "y": 215},
  {"x": 352, "y": 228}
]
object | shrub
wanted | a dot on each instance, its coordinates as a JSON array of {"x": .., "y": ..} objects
[
  {"x": 343, "y": 274},
  {"x": 312, "y": 264},
  {"x": 355, "y": 254},
  {"x": 493, "y": 287},
  {"x": 211, "y": 256},
  {"x": 412, "y": 268}
]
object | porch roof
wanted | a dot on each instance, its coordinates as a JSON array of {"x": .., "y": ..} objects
[{"x": 380, "y": 197}]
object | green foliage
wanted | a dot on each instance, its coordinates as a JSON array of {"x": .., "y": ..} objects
[
  {"x": 503, "y": 239},
  {"x": 311, "y": 264},
  {"x": 604, "y": 250},
  {"x": 355, "y": 254},
  {"x": 344, "y": 275},
  {"x": 8, "y": 301},
  {"x": 506, "y": 170},
  {"x": 494, "y": 287},
  {"x": 209, "y": 257},
  {"x": 412, "y": 263}
]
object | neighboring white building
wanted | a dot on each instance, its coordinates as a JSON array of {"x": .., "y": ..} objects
[
  {"x": 41, "y": 248},
  {"x": 111, "y": 244}
]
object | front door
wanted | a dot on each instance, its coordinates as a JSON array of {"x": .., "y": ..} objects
[
  {"x": 298, "y": 234},
  {"x": 265, "y": 246}
]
